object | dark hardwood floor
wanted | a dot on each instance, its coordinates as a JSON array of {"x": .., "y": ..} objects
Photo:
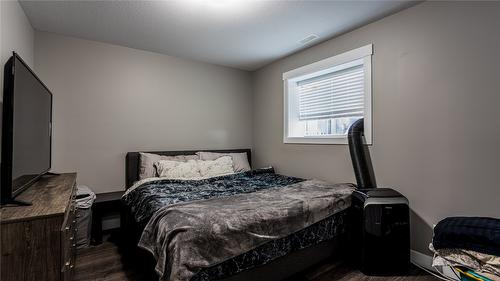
[{"x": 109, "y": 262}]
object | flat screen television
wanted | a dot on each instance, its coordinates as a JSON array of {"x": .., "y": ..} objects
[{"x": 26, "y": 129}]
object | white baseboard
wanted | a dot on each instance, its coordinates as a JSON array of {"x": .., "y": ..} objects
[
  {"x": 425, "y": 261},
  {"x": 422, "y": 260}
]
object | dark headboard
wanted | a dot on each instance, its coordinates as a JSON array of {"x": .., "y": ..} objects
[{"x": 132, "y": 161}]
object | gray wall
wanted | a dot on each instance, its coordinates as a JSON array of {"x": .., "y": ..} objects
[
  {"x": 16, "y": 34},
  {"x": 110, "y": 99},
  {"x": 436, "y": 93}
]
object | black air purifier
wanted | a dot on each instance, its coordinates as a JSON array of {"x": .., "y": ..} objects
[{"x": 380, "y": 216}]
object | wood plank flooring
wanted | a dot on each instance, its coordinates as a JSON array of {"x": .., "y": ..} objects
[{"x": 108, "y": 262}]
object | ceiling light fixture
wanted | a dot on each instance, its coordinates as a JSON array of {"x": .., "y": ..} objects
[{"x": 218, "y": 4}]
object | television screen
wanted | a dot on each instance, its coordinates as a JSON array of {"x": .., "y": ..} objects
[{"x": 27, "y": 126}]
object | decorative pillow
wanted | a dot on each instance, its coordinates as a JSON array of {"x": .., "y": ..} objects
[
  {"x": 194, "y": 169},
  {"x": 217, "y": 167},
  {"x": 240, "y": 160},
  {"x": 178, "y": 170},
  {"x": 147, "y": 160}
]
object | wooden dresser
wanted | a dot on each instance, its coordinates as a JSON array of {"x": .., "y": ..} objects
[{"x": 38, "y": 241}]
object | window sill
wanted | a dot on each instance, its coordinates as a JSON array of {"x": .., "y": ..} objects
[
  {"x": 319, "y": 140},
  {"x": 315, "y": 140}
]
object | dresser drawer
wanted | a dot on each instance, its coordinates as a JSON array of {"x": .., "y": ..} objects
[{"x": 68, "y": 241}]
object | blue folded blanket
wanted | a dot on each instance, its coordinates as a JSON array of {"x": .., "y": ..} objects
[{"x": 470, "y": 233}]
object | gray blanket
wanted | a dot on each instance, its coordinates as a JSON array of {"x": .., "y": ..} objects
[{"x": 187, "y": 237}]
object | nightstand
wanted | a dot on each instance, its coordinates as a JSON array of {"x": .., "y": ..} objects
[{"x": 103, "y": 204}]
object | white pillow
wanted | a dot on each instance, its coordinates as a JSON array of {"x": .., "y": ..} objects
[
  {"x": 240, "y": 160},
  {"x": 177, "y": 170},
  {"x": 194, "y": 169},
  {"x": 217, "y": 167},
  {"x": 147, "y": 160}
]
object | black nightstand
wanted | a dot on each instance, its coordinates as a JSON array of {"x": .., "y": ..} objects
[{"x": 103, "y": 204}]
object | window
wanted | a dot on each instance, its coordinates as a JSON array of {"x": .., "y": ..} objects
[{"x": 323, "y": 99}]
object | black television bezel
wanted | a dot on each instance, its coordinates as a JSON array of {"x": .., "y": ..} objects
[{"x": 7, "y": 193}]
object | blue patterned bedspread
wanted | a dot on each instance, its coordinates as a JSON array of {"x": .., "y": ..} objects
[{"x": 149, "y": 197}]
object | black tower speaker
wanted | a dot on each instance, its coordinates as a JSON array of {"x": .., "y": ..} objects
[
  {"x": 380, "y": 216},
  {"x": 381, "y": 231}
]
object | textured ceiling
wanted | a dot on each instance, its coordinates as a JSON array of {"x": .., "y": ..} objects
[{"x": 243, "y": 34}]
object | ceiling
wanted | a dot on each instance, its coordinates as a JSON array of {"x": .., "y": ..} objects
[{"x": 243, "y": 34}]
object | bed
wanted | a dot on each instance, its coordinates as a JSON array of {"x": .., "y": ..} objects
[{"x": 148, "y": 212}]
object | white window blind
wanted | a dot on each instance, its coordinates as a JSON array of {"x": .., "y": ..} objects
[
  {"x": 324, "y": 98},
  {"x": 332, "y": 95}
]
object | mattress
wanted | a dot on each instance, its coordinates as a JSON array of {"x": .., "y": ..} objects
[{"x": 176, "y": 213}]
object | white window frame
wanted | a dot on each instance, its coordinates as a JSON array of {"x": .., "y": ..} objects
[{"x": 321, "y": 67}]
